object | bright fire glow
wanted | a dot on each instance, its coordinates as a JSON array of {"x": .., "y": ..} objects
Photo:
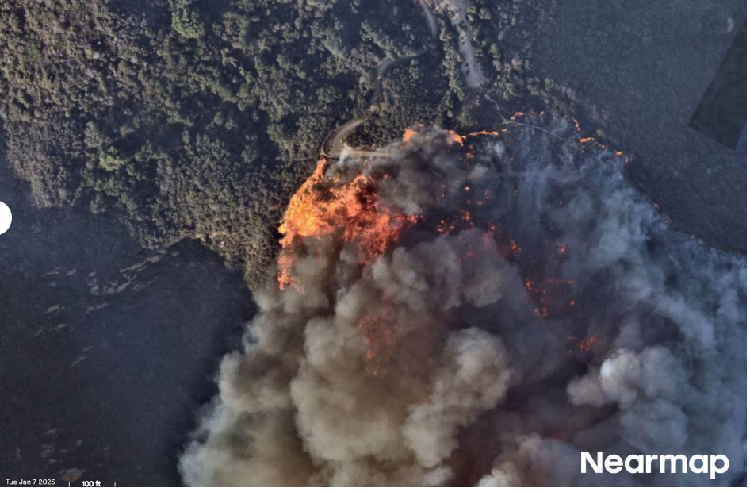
[
  {"x": 324, "y": 206},
  {"x": 350, "y": 212}
]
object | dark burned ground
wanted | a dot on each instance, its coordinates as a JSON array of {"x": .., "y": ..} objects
[
  {"x": 642, "y": 67},
  {"x": 107, "y": 351}
]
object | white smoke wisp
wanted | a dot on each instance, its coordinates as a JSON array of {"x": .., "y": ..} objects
[{"x": 524, "y": 303}]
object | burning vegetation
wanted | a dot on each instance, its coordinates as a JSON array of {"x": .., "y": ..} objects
[
  {"x": 350, "y": 212},
  {"x": 478, "y": 309}
]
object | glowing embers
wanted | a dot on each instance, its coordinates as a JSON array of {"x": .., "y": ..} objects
[
  {"x": 347, "y": 210},
  {"x": 585, "y": 344},
  {"x": 379, "y": 334},
  {"x": 452, "y": 137},
  {"x": 551, "y": 295},
  {"x": 353, "y": 208}
]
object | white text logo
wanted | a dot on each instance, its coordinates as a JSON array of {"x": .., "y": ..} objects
[{"x": 664, "y": 463}]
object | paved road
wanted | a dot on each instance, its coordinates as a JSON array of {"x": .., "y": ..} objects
[{"x": 334, "y": 146}]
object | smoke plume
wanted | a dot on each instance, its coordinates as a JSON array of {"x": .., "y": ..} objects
[{"x": 478, "y": 310}]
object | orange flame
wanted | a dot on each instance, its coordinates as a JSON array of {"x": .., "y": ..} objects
[
  {"x": 453, "y": 137},
  {"x": 325, "y": 206},
  {"x": 349, "y": 211},
  {"x": 408, "y": 134}
]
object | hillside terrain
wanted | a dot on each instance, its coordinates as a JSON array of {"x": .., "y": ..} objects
[
  {"x": 150, "y": 148},
  {"x": 198, "y": 119}
]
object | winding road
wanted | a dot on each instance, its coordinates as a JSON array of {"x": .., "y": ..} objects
[{"x": 335, "y": 145}]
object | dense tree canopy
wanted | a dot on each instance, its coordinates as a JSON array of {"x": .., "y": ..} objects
[{"x": 199, "y": 118}]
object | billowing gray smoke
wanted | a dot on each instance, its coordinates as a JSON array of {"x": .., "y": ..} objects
[{"x": 535, "y": 307}]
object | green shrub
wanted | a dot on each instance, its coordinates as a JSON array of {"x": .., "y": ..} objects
[
  {"x": 111, "y": 159},
  {"x": 185, "y": 21}
]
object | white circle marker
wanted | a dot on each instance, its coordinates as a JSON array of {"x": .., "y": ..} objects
[{"x": 5, "y": 218}]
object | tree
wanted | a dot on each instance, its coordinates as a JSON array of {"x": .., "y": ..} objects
[{"x": 185, "y": 20}]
